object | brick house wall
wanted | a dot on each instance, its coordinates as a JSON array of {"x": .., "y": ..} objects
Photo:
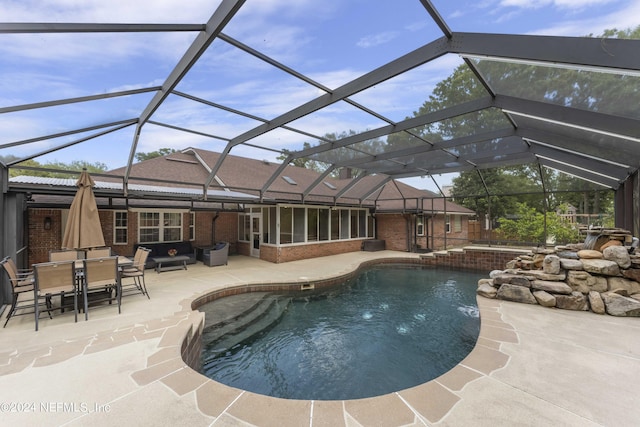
[
  {"x": 42, "y": 241},
  {"x": 440, "y": 237},
  {"x": 276, "y": 254},
  {"x": 393, "y": 229}
]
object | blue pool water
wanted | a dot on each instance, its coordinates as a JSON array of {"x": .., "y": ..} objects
[{"x": 386, "y": 330}]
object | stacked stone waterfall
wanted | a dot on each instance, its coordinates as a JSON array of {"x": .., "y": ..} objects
[{"x": 601, "y": 275}]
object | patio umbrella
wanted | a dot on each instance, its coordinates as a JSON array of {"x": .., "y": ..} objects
[{"x": 83, "y": 228}]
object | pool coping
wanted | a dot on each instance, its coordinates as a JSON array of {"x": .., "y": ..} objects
[
  {"x": 428, "y": 402},
  {"x": 531, "y": 365}
]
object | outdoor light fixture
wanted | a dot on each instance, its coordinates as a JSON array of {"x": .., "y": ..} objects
[{"x": 47, "y": 223}]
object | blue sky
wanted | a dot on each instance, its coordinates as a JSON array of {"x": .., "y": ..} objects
[{"x": 331, "y": 41}]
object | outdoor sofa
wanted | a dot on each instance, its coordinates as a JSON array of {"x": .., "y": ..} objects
[{"x": 162, "y": 250}]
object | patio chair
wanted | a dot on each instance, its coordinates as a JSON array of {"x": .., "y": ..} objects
[
  {"x": 98, "y": 252},
  {"x": 136, "y": 272},
  {"x": 65, "y": 255},
  {"x": 217, "y": 255},
  {"x": 21, "y": 288},
  {"x": 101, "y": 278},
  {"x": 51, "y": 279}
]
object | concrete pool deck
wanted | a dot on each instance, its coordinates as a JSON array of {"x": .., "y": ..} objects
[{"x": 531, "y": 366}]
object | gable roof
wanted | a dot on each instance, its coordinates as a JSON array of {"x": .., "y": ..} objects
[
  {"x": 249, "y": 176},
  {"x": 177, "y": 176}
]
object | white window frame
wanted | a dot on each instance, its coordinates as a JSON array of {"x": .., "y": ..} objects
[
  {"x": 161, "y": 223},
  {"x": 192, "y": 226},
  {"x": 347, "y": 229},
  {"x": 447, "y": 223},
  {"x": 117, "y": 227},
  {"x": 420, "y": 225}
]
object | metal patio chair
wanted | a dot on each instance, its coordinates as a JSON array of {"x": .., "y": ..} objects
[
  {"x": 51, "y": 279},
  {"x": 98, "y": 252},
  {"x": 101, "y": 278},
  {"x": 65, "y": 255},
  {"x": 136, "y": 272},
  {"x": 21, "y": 288}
]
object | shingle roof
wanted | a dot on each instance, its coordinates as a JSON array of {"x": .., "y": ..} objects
[
  {"x": 249, "y": 176},
  {"x": 241, "y": 180}
]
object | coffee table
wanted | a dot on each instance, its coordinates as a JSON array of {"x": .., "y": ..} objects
[{"x": 178, "y": 262}]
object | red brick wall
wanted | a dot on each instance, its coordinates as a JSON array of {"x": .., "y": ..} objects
[
  {"x": 392, "y": 228},
  {"x": 453, "y": 238},
  {"x": 313, "y": 250},
  {"x": 226, "y": 229},
  {"x": 481, "y": 259},
  {"x": 42, "y": 241}
]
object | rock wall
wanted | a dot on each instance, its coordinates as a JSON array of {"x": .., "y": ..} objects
[{"x": 604, "y": 279}]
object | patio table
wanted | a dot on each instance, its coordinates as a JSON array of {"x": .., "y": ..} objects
[{"x": 177, "y": 262}]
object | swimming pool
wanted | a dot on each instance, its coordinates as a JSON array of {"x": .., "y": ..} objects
[{"x": 390, "y": 328}]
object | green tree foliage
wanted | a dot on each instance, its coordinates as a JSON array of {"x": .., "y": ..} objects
[
  {"x": 75, "y": 165},
  {"x": 142, "y": 156},
  {"x": 577, "y": 89},
  {"x": 321, "y": 161},
  {"x": 301, "y": 162},
  {"x": 529, "y": 226}
]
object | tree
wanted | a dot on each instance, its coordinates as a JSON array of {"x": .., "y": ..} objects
[
  {"x": 529, "y": 226},
  {"x": 75, "y": 165},
  {"x": 141, "y": 156},
  {"x": 578, "y": 89},
  {"x": 301, "y": 162},
  {"x": 320, "y": 160}
]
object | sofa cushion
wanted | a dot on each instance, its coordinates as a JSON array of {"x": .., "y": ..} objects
[{"x": 162, "y": 250}]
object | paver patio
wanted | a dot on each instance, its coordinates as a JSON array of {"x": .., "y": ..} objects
[{"x": 531, "y": 366}]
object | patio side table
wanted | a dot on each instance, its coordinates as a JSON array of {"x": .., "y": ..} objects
[{"x": 178, "y": 262}]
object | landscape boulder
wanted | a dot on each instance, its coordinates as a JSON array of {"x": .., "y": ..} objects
[
  {"x": 618, "y": 305},
  {"x": 516, "y": 293},
  {"x": 617, "y": 254}
]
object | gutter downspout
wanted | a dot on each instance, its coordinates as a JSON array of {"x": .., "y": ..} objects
[
  {"x": 213, "y": 228},
  {"x": 407, "y": 219}
]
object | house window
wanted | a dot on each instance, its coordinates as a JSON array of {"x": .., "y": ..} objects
[
  {"x": 447, "y": 223},
  {"x": 244, "y": 227},
  {"x": 420, "y": 225},
  {"x": 314, "y": 224},
  {"x": 362, "y": 223},
  {"x": 120, "y": 227},
  {"x": 335, "y": 224},
  {"x": 457, "y": 223},
  {"x": 344, "y": 223},
  {"x": 192, "y": 226},
  {"x": 299, "y": 227},
  {"x": 323, "y": 224},
  {"x": 286, "y": 222},
  {"x": 154, "y": 227}
]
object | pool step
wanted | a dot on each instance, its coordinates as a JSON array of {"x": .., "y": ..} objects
[
  {"x": 259, "y": 315},
  {"x": 231, "y": 308}
]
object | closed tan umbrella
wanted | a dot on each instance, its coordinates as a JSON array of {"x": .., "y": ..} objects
[{"x": 83, "y": 228}]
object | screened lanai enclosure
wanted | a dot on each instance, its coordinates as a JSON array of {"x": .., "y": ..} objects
[{"x": 225, "y": 76}]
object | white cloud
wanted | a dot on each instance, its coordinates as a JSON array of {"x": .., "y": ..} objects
[
  {"x": 559, "y": 4},
  {"x": 377, "y": 39},
  {"x": 619, "y": 19}
]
